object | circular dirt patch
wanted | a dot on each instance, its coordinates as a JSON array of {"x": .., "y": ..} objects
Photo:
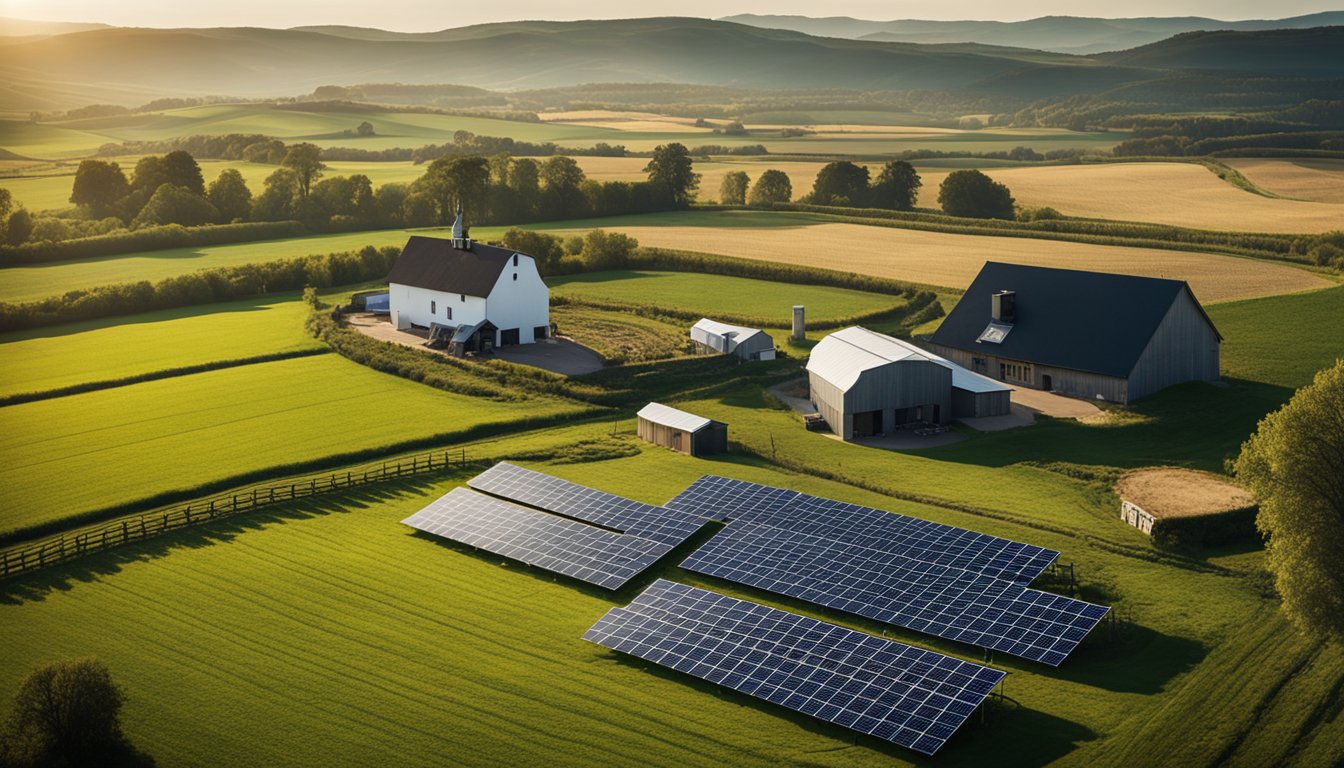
[{"x": 1171, "y": 492}]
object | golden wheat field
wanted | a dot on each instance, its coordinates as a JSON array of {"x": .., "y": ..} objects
[
  {"x": 1320, "y": 180},
  {"x": 625, "y": 121},
  {"x": 1180, "y": 194},
  {"x": 953, "y": 260}
]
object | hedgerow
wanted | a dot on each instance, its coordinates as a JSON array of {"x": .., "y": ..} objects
[{"x": 147, "y": 239}]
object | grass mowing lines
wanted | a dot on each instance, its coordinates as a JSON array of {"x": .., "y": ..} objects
[
  {"x": 104, "y": 350},
  {"x": 304, "y": 629},
  {"x": 102, "y": 449},
  {"x": 710, "y": 294}
]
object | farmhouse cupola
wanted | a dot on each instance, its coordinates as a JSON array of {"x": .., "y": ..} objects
[{"x": 461, "y": 240}]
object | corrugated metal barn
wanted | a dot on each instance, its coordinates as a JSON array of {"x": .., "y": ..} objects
[
  {"x": 681, "y": 431},
  {"x": 866, "y": 383},
  {"x": 1088, "y": 334},
  {"x": 715, "y": 338}
]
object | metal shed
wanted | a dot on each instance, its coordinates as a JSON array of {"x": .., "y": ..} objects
[
  {"x": 866, "y": 383},
  {"x": 715, "y": 338},
  {"x": 681, "y": 431}
]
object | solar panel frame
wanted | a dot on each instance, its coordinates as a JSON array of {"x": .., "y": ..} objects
[
  {"x": 934, "y": 599},
  {"x": 908, "y": 696},
  {"x": 740, "y": 500},
  {"x": 560, "y": 496},
  {"x": 575, "y": 549}
]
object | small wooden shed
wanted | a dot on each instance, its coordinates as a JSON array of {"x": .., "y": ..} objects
[{"x": 681, "y": 431}]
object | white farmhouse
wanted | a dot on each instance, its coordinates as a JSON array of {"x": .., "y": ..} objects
[{"x": 476, "y": 295}]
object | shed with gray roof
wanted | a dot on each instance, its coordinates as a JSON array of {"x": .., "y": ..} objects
[
  {"x": 1088, "y": 334},
  {"x": 715, "y": 338},
  {"x": 681, "y": 431}
]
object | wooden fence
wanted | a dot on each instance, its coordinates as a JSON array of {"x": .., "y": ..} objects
[{"x": 59, "y": 548}]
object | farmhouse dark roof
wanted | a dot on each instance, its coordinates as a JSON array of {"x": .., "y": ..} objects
[
  {"x": 1084, "y": 321},
  {"x": 433, "y": 263}
]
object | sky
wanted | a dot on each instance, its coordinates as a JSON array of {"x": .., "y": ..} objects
[{"x": 429, "y": 15}]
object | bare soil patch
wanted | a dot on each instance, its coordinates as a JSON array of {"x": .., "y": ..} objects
[{"x": 1173, "y": 492}]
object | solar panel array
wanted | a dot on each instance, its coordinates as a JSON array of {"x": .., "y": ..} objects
[
  {"x": 537, "y": 489},
  {"x": 905, "y": 695},
  {"x": 945, "y": 602},
  {"x": 581, "y": 551},
  {"x": 723, "y": 498}
]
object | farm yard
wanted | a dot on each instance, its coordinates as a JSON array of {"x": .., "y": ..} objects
[{"x": 377, "y": 619}]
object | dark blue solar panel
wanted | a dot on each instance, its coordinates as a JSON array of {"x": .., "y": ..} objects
[
  {"x": 904, "y": 695},
  {"x": 568, "y": 547},
  {"x": 537, "y": 489},
  {"x": 727, "y": 499},
  {"x": 926, "y": 597}
]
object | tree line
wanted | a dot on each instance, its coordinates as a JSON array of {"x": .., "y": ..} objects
[{"x": 170, "y": 190}]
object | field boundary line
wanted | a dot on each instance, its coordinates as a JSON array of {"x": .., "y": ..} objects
[
  {"x": 166, "y": 373},
  {"x": 69, "y": 545}
]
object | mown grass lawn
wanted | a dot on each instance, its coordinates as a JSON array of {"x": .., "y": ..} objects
[
  {"x": 100, "y": 449},
  {"x": 710, "y": 294},
  {"x": 102, "y": 350},
  {"x": 327, "y": 633}
]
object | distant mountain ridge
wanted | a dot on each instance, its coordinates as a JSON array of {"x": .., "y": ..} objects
[
  {"x": 1061, "y": 34},
  {"x": 255, "y": 62}
]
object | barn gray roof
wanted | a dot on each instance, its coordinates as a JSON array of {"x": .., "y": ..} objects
[
  {"x": 433, "y": 263},
  {"x": 1085, "y": 321}
]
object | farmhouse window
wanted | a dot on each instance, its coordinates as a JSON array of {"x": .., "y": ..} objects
[
  {"x": 515, "y": 277},
  {"x": 433, "y": 307},
  {"x": 462, "y": 296},
  {"x": 449, "y": 310},
  {"x": 515, "y": 259}
]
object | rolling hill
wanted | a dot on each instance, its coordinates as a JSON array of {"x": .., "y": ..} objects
[{"x": 1065, "y": 34}]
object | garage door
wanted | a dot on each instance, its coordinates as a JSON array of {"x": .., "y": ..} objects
[{"x": 508, "y": 337}]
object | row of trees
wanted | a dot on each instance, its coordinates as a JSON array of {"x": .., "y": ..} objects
[
  {"x": 170, "y": 189},
  {"x": 963, "y": 193}
]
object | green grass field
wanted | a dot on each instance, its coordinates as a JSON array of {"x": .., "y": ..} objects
[
  {"x": 103, "y": 350},
  {"x": 395, "y": 641},
  {"x": 100, "y": 449},
  {"x": 707, "y": 294}
]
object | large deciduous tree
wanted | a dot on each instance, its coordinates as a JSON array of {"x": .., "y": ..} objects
[
  {"x": 305, "y": 160},
  {"x": 171, "y": 204},
  {"x": 68, "y": 714},
  {"x": 454, "y": 180},
  {"x": 896, "y": 186},
  {"x": 671, "y": 169},
  {"x": 771, "y": 187},
  {"x": 841, "y": 183},
  {"x": 181, "y": 169},
  {"x": 277, "y": 198},
  {"x": 230, "y": 196},
  {"x": 733, "y": 190},
  {"x": 562, "y": 194},
  {"x": 1294, "y": 465},
  {"x": 99, "y": 185},
  {"x": 972, "y": 193}
]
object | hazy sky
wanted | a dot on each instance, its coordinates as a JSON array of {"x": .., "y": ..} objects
[{"x": 428, "y": 15}]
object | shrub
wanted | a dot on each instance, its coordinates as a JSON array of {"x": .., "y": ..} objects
[
  {"x": 972, "y": 194},
  {"x": 607, "y": 250}
]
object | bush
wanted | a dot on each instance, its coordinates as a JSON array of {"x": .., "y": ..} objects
[
  {"x": 972, "y": 194},
  {"x": 546, "y": 249},
  {"x": 607, "y": 250}
]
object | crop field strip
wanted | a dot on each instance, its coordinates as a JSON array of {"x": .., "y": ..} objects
[
  {"x": 908, "y": 696},
  {"x": 103, "y": 350},
  {"x": 1317, "y": 179},
  {"x": 136, "y": 442}
]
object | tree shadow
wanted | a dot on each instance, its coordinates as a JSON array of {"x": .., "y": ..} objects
[{"x": 92, "y": 568}]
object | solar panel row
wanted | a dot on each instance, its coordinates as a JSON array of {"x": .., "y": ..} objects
[
  {"x": 738, "y": 500},
  {"x": 568, "y": 547},
  {"x": 904, "y": 695},
  {"x": 553, "y": 494},
  {"x": 927, "y": 597}
]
